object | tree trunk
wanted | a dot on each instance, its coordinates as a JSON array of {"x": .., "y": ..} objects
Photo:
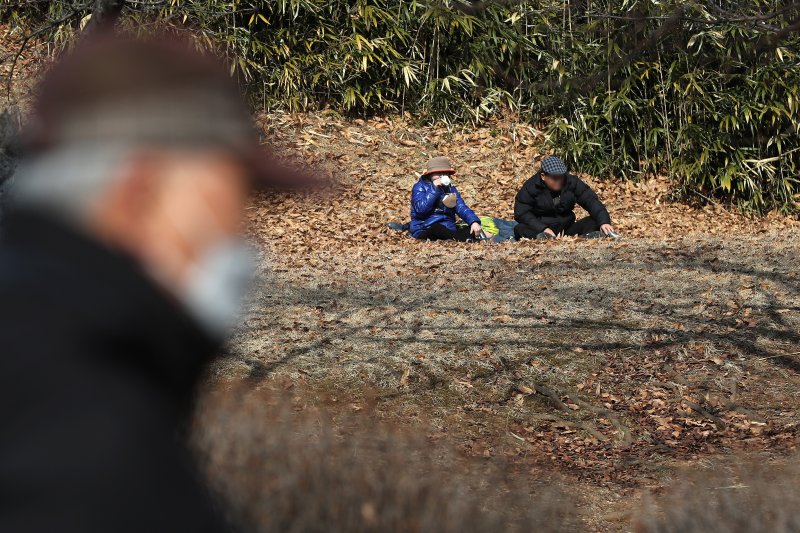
[{"x": 105, "y": 14}]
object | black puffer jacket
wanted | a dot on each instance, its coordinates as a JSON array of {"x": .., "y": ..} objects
[
  {"x": 536, "y": 207},
  {"x": 97, "y": 375}
]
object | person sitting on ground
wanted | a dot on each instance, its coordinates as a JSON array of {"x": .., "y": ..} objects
[
  {"x": 435, "y": 202},
  {"x": 544, "y": 205}
]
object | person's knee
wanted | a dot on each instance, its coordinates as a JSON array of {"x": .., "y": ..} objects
[
  {"x": 521, "y": 231},
  {"x": 582, "y": 227}
]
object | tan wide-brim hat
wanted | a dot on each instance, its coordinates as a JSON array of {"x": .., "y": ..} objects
[{"x": 439, "y": 164}]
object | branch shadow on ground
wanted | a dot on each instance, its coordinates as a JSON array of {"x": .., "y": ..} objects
[
  {"x": 644, "y": 326},
  {"x": 552, "y": 329}
]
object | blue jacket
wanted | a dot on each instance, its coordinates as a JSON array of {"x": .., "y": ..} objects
[{"x": 427, "y": 208}]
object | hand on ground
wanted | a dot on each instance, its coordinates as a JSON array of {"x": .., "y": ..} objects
[
  {"x": 475, "y": 229},
  {"x": 550, "y": 232},
  {"x": 606, "y": 228}
]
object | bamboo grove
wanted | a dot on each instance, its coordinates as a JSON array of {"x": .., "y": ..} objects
[{"x": 703, "y": 90}]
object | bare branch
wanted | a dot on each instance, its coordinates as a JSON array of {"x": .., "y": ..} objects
[{"x": 74, "y": 13}]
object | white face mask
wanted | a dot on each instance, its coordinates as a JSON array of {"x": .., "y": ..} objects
[
  {"x": 445, "y": 180},
  {"x": 218, "y": 284}
]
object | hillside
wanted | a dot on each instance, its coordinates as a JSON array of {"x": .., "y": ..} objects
[{"x": 611, "y": 365}]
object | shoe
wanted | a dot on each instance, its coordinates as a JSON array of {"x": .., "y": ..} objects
[{"x": 398, "y": 226}]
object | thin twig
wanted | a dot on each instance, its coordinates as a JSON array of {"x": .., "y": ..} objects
[
  {"x": 718, "y": 422},
  {"x": 32, "y": 35}
]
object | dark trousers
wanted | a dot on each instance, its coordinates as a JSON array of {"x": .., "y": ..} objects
[
  {"x": 581, "y": 227},
  {"x": 438, "y": 232}
]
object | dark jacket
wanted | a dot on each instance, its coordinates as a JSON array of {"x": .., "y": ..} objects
[
  {"x": 537, "y": 208},
  {"x": 97, "y": 372},
  {"x": 427, "y": 208}
]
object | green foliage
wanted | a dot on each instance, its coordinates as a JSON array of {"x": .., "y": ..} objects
[
  {"x": 705, "y": 90},
  {"x": 711, "y": 101}
]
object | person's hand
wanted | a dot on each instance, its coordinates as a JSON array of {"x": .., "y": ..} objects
[
  {"x": 475, "y": 229},
  {"x": 549, "y": 232},
  {"x": 606, "y": 229},
  {"x": 449, "y": 200},
  {"x": 437, "y": 181}
]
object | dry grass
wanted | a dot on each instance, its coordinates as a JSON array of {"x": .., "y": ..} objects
[
  {"x": 283, "y": 470},
  {"x": 717, "y": 500},
  {"x": 608, "y": 363}
]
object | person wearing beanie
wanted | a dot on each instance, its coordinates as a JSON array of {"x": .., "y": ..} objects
[
  {"x": 435, "y": 202},
  {"x": 544, "y": 206}
]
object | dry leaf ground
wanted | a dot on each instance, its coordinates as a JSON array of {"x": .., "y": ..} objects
[{"x": 614, "y": 364}]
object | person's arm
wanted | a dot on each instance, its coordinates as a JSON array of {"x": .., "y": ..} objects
[
  {"x": 423, "y": 200},
  {"x": 588, "y": 200},
  {"x": 467, "y": 214},
  {"x": 463, "y": 211},
  {"x": 523, "y": 210}
]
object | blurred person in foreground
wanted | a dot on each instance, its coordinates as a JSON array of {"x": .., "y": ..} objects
[
  {"x": 544, "y": 206},
  {"x": 435, "y": 202},
  {"x": 122, "y": 269}
]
